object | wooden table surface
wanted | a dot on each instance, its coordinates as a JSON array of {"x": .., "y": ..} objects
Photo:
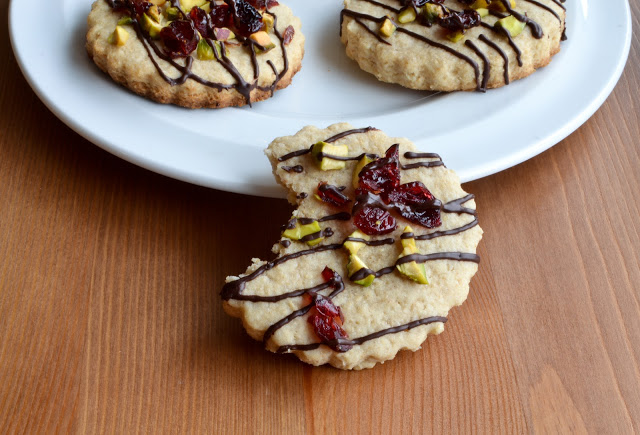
[{"x": 111, "y": 321}]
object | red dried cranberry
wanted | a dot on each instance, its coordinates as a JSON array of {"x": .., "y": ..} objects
[
  {"x": 221, "y": 15},
  {"x": 200, "y": 21},
  {"x": 263, "y": 4},
  {"x": 332, "y": 194},
  {"x": 326, "y": 308},
  {"x": 246, "y": 18},
  {"x": 415, "y": 203},
  {"x": 179, "y": 38},
  {"x": 140, "y": 7},
  {"x": 420, "y": 3},
  {"x": 288, "y": 35},
  {"x": 382, "y": 174},
  {"x": 414, "y": 193},
  {"x": 374, "y": 221},
  {"x": 329, "y": 274},
  {"x": 327, "y": 322},
  {"x": 460, "y": 21}
]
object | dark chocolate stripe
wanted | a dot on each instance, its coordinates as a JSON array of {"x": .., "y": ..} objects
[
  {"x": 412, "y": 155},
  {"x": 329, "y": 140},
  {"x": 375, "y": 35},
  {"x": 536, "y": 30},
  {"x": 344, "y": 134},
  {"x": 361, "y": 340},
  {"x": 231, "y": 289},
  {"x": 501, "y": 52},
  {"x": 388, "y": 241},
  {"x": 241, "y": 86},
  {"x": 487, "y": 65},
  {"x": 291, "y": 294},
  {"x": 451, "y": 232},
  {"x": 338, "y": 286},
  {"x": 297, "y": 168},
  {"x": 382, "y": 5},
  {"x": 546, "y": 8},
  {"x": 418, "y": 258},
  {"x": 474, "y": 65},
  {"x": 455, "y": 206}
]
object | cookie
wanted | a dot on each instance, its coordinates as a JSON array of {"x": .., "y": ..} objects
[
  {"x": 380, "y": 247},
  {"x": 197, "y": 53},
  {"x": 447, "y": 45}
]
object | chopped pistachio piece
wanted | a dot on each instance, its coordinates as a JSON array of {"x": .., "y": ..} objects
[
  {"x": 205, "y": 51},
  {"x": 150, "y": 25},
  {"x": 119, "y": 36},
  {"x": 352, "y": 246},
  {"x": 356, "y": 264},
  {"x": 387, "y": 28},
  {"x": 407, "y": 16},
  {"x": 187, "y": 5},
  {"x": 268, "y": 21},
  {"x": 511, "y": 25},
  {"x": 432, "y": 12},
  {"x": 300, "y": 231},
  {"x": 172, "y": 14},
  {"x": 263, "y": 39},
  {"x": 455, "y": 36},
  {"x": 322, "y": 149},
  {"x": 412, "y": 269},
  {"x": 124, "y": 21},
  {"x": 154, "y": 13},
  {"x": 481, "y": 4}
]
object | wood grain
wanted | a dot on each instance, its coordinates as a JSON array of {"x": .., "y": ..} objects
[{"x": 110, "y": 319}]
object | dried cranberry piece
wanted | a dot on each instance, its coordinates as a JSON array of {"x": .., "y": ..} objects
[
  {"x": 420, "y": 3},
  {"x": 140, "y": 7},
  {"x": 415, "y": 203},
  {"x": 329, "y": 274},
  {"x": 246, "y": 18},
  {"x": 221, "y": 15},
  {"x": 263, "y": 4},
  {"x": 332, "y": 194},
  {"x": 460, "y": 21},
  {"x": 179, "y": 38},
  {"x": 288, "y": 35},
  {"x": 200, "y": 21},
  {"x": 382, "y": 174},
  {"x": 374, "y": 221},
  {"x": 327, "y": 323},
  {"x": 414, "y": 193},
  {"x": 326, "y": 308}
]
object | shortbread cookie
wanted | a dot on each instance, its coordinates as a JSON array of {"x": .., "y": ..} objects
[
  {"x": 197, "y": 53},
  {"x": 449, "y": 45},
  {"x": 382, "y": 244}
]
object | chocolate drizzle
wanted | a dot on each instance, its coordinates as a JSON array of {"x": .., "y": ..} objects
[
  {"x": 330, "y": 140},
  {"x": 234, "y": 289},
  {"x": 297, "y": 168},
  {"x": 357, "y": 341},
  {"x": 501, "y": 52},
  {"x": 242, "y": 86},
  {"x": 481, "y": 83}
]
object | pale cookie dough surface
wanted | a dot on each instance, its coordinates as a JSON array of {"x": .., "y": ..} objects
[
  {"x": 393, "y": 299},
  {"x": 415, "y": 64},
  {"x": 131, "y": 66}
]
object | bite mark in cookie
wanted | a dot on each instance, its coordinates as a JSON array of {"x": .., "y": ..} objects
[
  {"x": 452, "y": 45},
  {"x": 381, "y": 246}
]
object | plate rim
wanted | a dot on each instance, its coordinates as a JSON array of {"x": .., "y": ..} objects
[{"x": 477, "y": 172}]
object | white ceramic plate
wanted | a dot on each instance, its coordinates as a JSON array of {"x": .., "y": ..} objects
[{"x": 476, "y": 134}]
